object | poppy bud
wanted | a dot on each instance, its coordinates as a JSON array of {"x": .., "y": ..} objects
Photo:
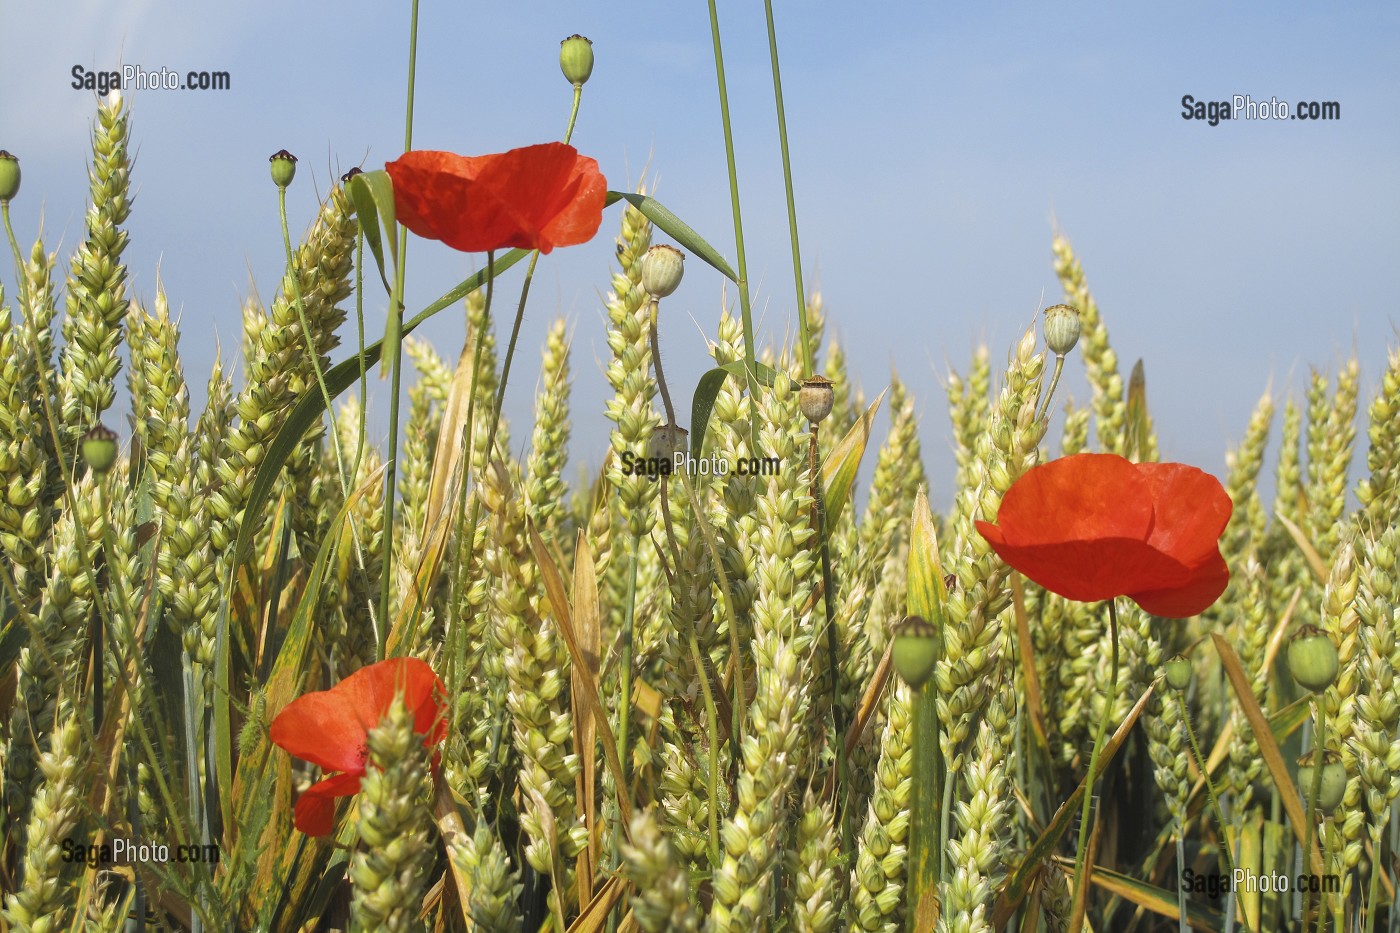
[
  {"x": 662, "y": 268},
  {"x": 9, "y": 176},
  {"x": 1178, "y": 672},
  {"x": 576, "y": 59},
  {"x": 1312, "y": 659},
  {"x": 1061, "y": 328},
  {"x": 816, "y": 398},
  {"x": 667, "y": 440},
  {"x": 99, "y": 449},
  {"x": 1334, "y": 780},
  {"x": 284, "y": 167},
  {"x": 915, "y": 649}
]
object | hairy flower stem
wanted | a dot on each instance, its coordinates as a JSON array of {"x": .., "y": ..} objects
[
  {"x": 1319, "y": 757},
  {"x": 1210, "y": 785},
  {"x": 573, "y": 113},
  {"x": 653, "y": 312},
  {"x": 1081, "y": 876},
  {"x": 1054, "y": 382},
  {"x": 19, "y": 258}
]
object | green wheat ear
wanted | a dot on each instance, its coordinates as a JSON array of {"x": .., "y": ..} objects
[
  {"x": 390, "y": 873},
  {"x": 96, "y": 287}
]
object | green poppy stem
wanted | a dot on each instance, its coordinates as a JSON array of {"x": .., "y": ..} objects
[
  {"x": 1081, "y": 879},
  {"x": 573, "y": 113},
  {"x": 20, "y": 279},
  {"x": 1210, "y": 785},
  {"x": 395, "y": 366},
  {"x": 1054, "y": 382},
  {"x": 653, "y": 313},
  {"x": 1319, "y": 758}
]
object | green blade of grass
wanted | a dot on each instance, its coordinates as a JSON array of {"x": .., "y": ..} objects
[
  {"x": 1150, "y": 897},
  {"x": 678, "y": 229},
  {"x": 1268, "y": 749}
]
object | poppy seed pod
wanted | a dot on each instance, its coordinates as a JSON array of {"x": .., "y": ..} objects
[
  {"x": 576, "y": 59},
  {"x": 1312, "y": 659},
  {"x": 1061, "y": 328},
  {"x": 9, "y": 176},
  {"x": 815, "y": 398},
  {"x": 1178, "y": 671},
  {"x": 99, "y": 449},
  {"x": 915, "y": 649},
  {"x": 662, "y": 269},
  {"x": 284, "y": 167},
  {"x": 1333, "y": 786},
  {"x": 667, "y": 441}
]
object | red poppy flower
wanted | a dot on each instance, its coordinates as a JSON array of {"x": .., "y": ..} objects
[
  {"x": 538, "y": 197},
  {"x": 330, "y": 728},
  {"x": 1095, "y": 526}
]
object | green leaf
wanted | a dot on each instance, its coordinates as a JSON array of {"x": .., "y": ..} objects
[
  {"x": 707, "y": 390},
  {"x": 927, "y": 594},
  {"x": 372, "y": 193},
  {"x": 1158, "y": 900},
  {"x": 310, "y": 407},
  {"x": 678, "y": 229},
  {"x": 839, "y": 470}
]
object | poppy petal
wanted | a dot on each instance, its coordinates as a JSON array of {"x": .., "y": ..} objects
[
  {"x": 535, "y": 197},
  {"x": 1090, "y": 571},
  {"x": 1192, "y": 598},
  {"x": 314, "y": 813},
  {"x": 579, "y": 220},
  {"x": 1191, "y": 510},
  {"x": 1081, "y": 498},
  {"x": 1095, "y": 526},
  {"x": 369, "y": 692},
  {"x": 329, "y": 727}
]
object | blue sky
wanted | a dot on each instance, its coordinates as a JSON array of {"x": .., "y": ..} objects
[{"x": 931, "y": 150}]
